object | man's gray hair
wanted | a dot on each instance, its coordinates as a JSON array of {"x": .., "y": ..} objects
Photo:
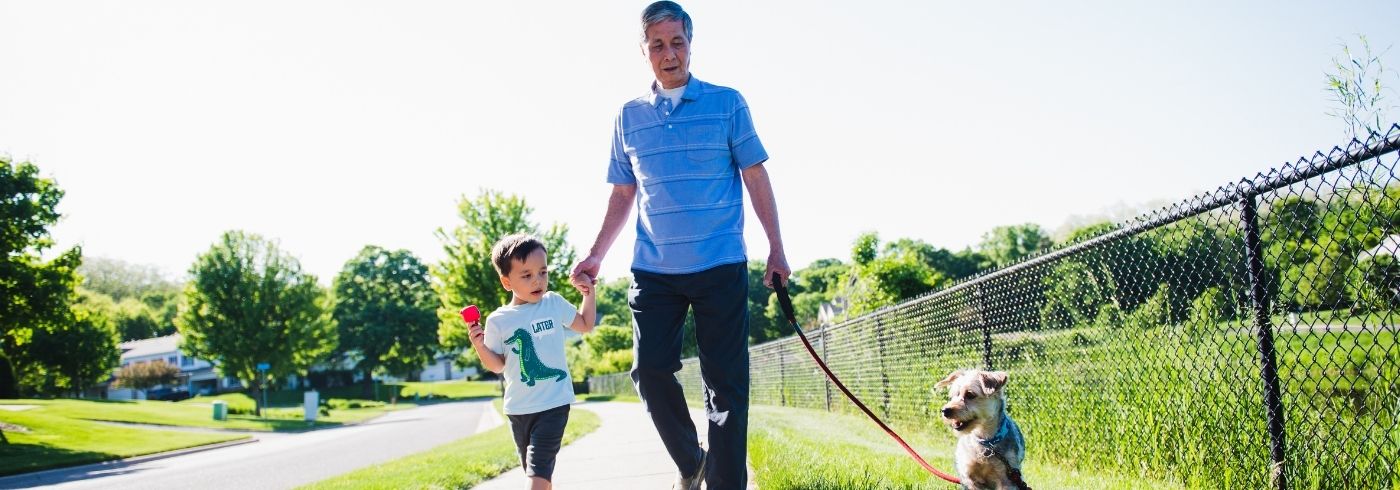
[{"x": 665, "y": 11}]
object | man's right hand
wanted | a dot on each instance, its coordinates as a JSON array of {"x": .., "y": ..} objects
[{"x": 587, "y": 270}]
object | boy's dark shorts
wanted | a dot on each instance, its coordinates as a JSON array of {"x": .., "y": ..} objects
[{"x": 538, "y": 437}]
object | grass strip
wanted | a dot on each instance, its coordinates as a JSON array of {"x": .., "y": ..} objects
[
  {"x": 793, "y": 448},
  {"x": 52, "y": 440}
]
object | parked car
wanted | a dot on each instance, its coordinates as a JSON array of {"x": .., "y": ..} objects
[{"x": 167, "y": 394}]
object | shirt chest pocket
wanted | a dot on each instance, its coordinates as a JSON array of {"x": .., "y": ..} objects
[{"x": 706, "y": 143}]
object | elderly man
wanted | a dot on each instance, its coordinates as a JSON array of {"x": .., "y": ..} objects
[{"x": 682, "y": 154}]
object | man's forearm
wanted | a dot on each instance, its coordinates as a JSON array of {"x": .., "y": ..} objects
[
  {"x": 764, "y": 205},
  {"x": 619, "y": 208}
]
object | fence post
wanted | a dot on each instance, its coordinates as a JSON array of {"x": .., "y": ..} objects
[
  {"x": 825, "y": 380},
  {"x": 1268, "y": 367},
  {"x": 782, "y": 378},
  {"x": 884, "y": 376},
  {"x": 985, "y": 326}
]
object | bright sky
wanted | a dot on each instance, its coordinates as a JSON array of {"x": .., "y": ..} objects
[{"x": 329, "y": 125}]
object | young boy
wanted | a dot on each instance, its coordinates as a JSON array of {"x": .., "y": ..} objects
[{"x": 525, "y": 339}]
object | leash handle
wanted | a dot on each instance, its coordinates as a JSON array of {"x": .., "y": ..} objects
[
  {"x": 783, "y": 300},
  {"x": 786, "y": 303}
]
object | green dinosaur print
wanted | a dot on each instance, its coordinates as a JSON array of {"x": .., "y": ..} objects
[{"x": 531, "y": 369}]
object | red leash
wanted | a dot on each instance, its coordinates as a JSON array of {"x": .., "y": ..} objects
[{"x": 786, "y": 304}]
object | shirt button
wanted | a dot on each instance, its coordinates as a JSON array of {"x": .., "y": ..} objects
[{"x": 668, "y": 126}]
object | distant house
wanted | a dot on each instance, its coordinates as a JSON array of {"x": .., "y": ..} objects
[
  {"x": 197, "y": 376},
  {"x": 441, "y": 368}
]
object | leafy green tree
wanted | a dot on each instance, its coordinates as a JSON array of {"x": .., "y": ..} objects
[
  {"x": 136, "y": 321},
  {"x": 80, "y": 351},
  {"x": 613, "y": 308},
  {"x": 120, "y": 279},
  {"x": 887, "y": 279},
  {"x": 810, "y": 287},
  {"x": 609, "y": 338},
  {"x": 763, "y": 327},
  {"x": 1006, "y": 245},
  {"x": 147, "y": 375},
  {"x": 1073, "y": 295},
  {"x": 386, "y": 311},
  {"x": 33, "y": 293},
  {"x": 248, "y": 303},
  {"x": 954, "y": 266},
  {"x": 466, "y": 276}
]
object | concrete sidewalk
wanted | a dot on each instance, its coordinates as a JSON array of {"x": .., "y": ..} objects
[{"x": 624, "y": 453}]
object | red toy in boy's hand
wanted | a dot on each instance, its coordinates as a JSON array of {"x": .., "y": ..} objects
[{"x": 470, "y": 314}]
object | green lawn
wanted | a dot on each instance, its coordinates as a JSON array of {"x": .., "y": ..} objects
[
  {"x": 193, "y": 414},
  {"x": 55, "y": 439},
  {"x": 448, "y": 389},
  {"x": 610, "y": 398},
  {"x": 459, "y": 464},
  {"x": 810, "y": 449},
  {"x": 384, "y": 392}
]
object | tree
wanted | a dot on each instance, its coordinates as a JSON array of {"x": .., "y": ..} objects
[
  {"x": 952, "y": 265},
  {"x": 763, "y": 327},
  {"x": 147, "y": 375},
  {"x": 34, "y": 294},
  {"x": 466, "y": 276},
  {"x": 884, "y": 280},
  {"x": 80, "y": 350},
  {"x": 613, "y": 308},
  {"x": 120, "y": 279},
  {"x": 386, "y": 311},
  {"x": 145, "y": 301},
  {"x": 1006, "y": 245},
  {"x": 248, "y": 303}
]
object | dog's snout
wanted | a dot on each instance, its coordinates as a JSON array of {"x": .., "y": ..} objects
[{"x": 947, "y": 412}]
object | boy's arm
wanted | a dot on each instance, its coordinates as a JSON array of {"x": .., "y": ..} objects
[
  {"x": 587, "y": 312},
  {"x": 490, "y": 360}
]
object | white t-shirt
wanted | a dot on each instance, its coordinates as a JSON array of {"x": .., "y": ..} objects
[{"x": 532, "y": 336}]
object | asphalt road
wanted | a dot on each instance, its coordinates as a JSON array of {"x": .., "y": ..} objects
[{"x": 282, "y": 460}]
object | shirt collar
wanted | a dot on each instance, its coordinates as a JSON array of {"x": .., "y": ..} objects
[{"x": 692, "y": 90}]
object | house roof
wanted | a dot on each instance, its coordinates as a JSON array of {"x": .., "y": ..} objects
[{"x": 169, "y": 344}]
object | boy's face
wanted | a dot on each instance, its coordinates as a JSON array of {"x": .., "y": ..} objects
[{"x": 528, "y": 279}]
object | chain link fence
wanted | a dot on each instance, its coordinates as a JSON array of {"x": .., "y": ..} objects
[{"x": 1242, "y": 338}]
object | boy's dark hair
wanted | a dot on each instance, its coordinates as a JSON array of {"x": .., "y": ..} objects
[{"x": 513, "y": 247}]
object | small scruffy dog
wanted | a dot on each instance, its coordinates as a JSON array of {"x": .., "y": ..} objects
[{"x": 990, "y": 445}]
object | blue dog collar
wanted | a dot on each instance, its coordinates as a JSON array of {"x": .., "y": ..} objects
[{"x": 1002, "y": 431}]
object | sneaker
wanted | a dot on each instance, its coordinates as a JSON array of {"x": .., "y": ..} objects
[{"x": 693, "y": 481}]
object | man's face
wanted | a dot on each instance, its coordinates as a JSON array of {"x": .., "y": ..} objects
[
  {"x": 529, "y": 278},
  {"x": 669, "y": 51}
]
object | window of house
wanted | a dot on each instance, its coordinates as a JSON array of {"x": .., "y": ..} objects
[
  {"x": 170, "y": 360},
  {"x": 186, "y": 361}
]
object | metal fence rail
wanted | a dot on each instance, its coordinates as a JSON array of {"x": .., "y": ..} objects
[{"x": 1243, "y": 338}]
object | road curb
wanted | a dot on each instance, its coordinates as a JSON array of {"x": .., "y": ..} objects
[{"x": 14, "y": 481}]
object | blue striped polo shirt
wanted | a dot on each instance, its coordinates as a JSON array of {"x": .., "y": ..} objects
[{"x": 685, "y": 161}]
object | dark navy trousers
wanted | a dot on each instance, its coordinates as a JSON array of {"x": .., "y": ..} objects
[{"x": 659, "y": 304}]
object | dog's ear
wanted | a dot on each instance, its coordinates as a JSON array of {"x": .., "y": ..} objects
[
  {"x": 993, "y": 381},
  {"x": 948, "y": 380}
]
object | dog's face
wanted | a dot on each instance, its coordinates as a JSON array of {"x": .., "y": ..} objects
[{"x": 974, "y": 398}]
